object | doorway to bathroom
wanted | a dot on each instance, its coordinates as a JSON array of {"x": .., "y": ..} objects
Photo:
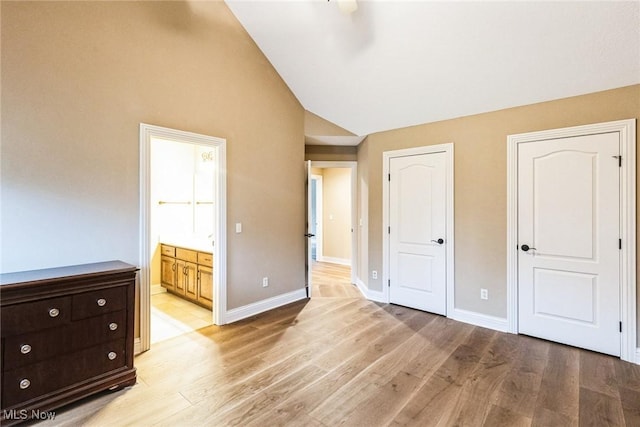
[{"x": 182, "y": 233}]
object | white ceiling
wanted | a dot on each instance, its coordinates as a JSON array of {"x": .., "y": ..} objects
[{"x": 393, "y": 64}]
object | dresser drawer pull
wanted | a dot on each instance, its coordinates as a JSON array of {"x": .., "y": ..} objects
[
  {"x": 101, "y": 302},
  {"x": 25, "y": 383},
  {"x": 25, "y": 349},
  {"x": 54, "y": 312},
  {"x": 113, "y": 326},
  {"x": 112, "y": 355}
]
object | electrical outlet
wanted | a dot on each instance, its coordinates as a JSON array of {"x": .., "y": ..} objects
[
  {"x": 484, "y": 294},
  {"x": 374, "y": 274},
  {"x": 265, "y": 282}
]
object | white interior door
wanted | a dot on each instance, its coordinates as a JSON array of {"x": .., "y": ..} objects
[
  {"x": 417, "y": 235},
  {"x": 568, "y": 231},
  {"x": 309, "y": 233}
]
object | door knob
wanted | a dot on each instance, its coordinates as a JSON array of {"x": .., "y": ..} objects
[
  {"x": 439, "y": 241},
  {"x": 527, "y": 247}
]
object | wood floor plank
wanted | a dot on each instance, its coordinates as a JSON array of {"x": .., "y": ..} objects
[
  {"x": 483, "y": 383},
  {"x": 332, "y": 281},
  {"x": 437, "y": 396},
  {"x": 350, "y": 394},
  {"x": 349, "y": 346},
  {"x": 342, "y": 371},
  {"x": 546, "y": 418},
  {"x": 599, "y": 409},
  {"x": 501, "y": 417},
  {"x": 519, "y": 390},
  {"x": 628, "y": 375},
  {"x": 597, "y": 373},
  {"x": 108, "y": 409},
  {"x": 630, "y": 400},
  {"x": 246, "y": 386},
  {"x": 443, "y": 336},
  {"x": 381, "y": 379},
  {"x": 269, "y": 398},
  {"x": 380, "y": 401},
  {"x": 559, "y": 389},
  {"x": 241, "y": 411}
]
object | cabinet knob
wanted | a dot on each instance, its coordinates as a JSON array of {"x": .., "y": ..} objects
[
  {"x": 112, "y": 355},
  {"x": 53, "y": 312},
  {"x": 113, "y": 326},
  {"x": 25, "y": 349},
  {"x": 101, "y": 302},
  {"x": 24, "y": 383}
]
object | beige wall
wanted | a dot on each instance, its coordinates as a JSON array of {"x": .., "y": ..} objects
[
  {"x": 77, "y": 80},
  {"x": 480, "y": 183},
  {"x": 316, "y": 125},
  {"x": 336, "y": 214},
  {"x": 362, "y": 203}
]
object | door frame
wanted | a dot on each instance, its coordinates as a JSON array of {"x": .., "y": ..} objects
[
  {"x": 627, "y": 131},
  {"x": 446, "y": 148},
  {"x": 147, "y": 133},
  {"x": 354, "y": 205}
]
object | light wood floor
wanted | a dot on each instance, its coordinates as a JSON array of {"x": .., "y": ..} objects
[
  {"x": 332, "y": 281},
  {"x": 348, "y": 361}
]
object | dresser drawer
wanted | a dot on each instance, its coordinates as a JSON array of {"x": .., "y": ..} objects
[
  {"x": 168, "y": 250},
  {"x": 22, "y": 384},
  {"x": 205, "y": 259},
  {"x": 95, "y": 303},
  {"x": 35, "y": 316},
  {"x": 187, "y": 255},
  {"x": 22, "y": 350}
]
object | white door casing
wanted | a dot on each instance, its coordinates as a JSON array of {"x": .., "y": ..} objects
[
  {"x": 568, "y": 231},
  {"x": 418, "y": 203},
  {"x": 558, "y": 252},
  {"x": 147, "y": 133}
]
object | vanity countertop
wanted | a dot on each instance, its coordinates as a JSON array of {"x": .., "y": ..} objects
[{"x": 196, "y": 243}]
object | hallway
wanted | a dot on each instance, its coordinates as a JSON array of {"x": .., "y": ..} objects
[{"x": 332, "y": 281}]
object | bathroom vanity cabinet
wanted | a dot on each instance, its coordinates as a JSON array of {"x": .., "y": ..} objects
[{"x": 188, "y": 274}]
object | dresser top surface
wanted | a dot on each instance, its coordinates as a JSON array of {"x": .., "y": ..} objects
[{"x": 93, "y": 269}]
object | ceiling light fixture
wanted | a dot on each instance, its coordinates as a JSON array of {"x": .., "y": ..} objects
[{"x": 348, "y": 6}]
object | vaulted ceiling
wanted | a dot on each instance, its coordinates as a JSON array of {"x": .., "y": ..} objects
[{"x": 393, "y": 64}]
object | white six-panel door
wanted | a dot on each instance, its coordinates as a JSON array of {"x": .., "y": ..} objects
[
  {"x": 568, "y": 248},
  {"x": 417, "y": 220}
]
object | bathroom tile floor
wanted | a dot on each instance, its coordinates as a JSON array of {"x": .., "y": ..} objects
[{"x": 172, "y": 316}]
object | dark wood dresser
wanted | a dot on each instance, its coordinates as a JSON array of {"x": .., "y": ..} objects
[{"x": 66, "y": 333}]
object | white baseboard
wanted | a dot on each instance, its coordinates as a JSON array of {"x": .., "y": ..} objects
[
  {"x": 638, "y": 356},
  {"x": 332, "y": 260},
  {"x": 252, "y": 309},
  {"x": 137, "y": 346},
  {"x": 377, "y": 296},
  {"x": 479, "y": 319},
  {"x": 473, "y": 318}
]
